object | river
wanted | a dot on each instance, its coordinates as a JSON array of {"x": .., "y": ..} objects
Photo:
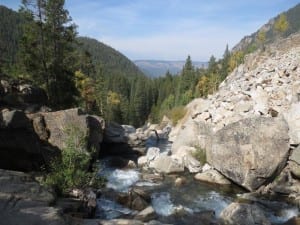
[{"x": 178, "y": 205}]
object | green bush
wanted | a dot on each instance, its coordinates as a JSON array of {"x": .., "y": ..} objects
[
  {"x": 70, "y": 170},
  {"x": 176, "y": 114},
  {"x": 200, "y": 155}
]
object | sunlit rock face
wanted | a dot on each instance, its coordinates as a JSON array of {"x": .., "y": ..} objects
[
  {"x": 250, "y": 151},
  {"x": 265, "y": 88}
]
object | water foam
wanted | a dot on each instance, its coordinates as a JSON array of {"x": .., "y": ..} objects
[
  {"x": 122, "y": 180},
  {"x": 162, "y": 204},
  {"x": 212, "y": 201},
  {"x": 108, "y": 209}
]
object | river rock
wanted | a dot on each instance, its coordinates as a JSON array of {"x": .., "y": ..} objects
[
  {"x": 129, "y": 129},
  {"x": 192, "y": 164},
  {"x": 206, "y": 167},
  {"x": 152, "y": 153},
  {"x": 111, "y": 222},
  {"x": 212, "y": 176},
  {"x": 153, "y": 177},
  {"x": 250, "y": 151},
  {"x": 136, "y": 199},
  {"x": 293, "y": 221},
  {"x": 138, "y": 203},
  {"x": 240, "y": 213},
  {"x": 180, "y": 181},
  {"x": 124, "y": 140},
  {"x": 186, "y": 154},
  {"x": 24, "y": 201},
  {"x": 114, "y": 133},
  {"x": 167, "y": 164},
  {"x": 146, "y": 215},
  {"x": 292, "y": 117},
  {"x": 142, "y": 161},
  {"x": 119, "y": 222}
]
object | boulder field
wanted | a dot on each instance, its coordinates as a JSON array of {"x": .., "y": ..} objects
[{"x": 251, "y": 126}]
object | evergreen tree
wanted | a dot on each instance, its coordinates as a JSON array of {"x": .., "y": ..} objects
[
  {"x": 225, "y": 63},
  {"x": 212, "y": 65},
  {"x": 186, "y": 83},
  {"x": 261, "y": 38},
  {"x": 47, "y": 49}
]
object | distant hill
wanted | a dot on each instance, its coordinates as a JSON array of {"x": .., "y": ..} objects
[
  {"x": 112, "y": 61},
  {"x": 248, "y": 43},
  {"x": 156, "y": 68}
]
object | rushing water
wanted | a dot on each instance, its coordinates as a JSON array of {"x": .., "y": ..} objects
[{"x": 167, "y": 199}]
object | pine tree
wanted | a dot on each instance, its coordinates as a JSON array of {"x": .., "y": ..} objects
[
  {"x": 47, "y": 49},
  {"x": 261, "y": 37},
  {"x": 225, "y": 63},
  {"x": 186, "y": 82}
]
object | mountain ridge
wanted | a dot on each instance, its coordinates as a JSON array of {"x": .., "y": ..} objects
[
  {"x": 157, "y": 68},
  {"x": 111, "y": 60},
  {"x": 250, "y": 41}
]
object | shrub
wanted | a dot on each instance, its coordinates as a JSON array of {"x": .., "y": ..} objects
[
  {"x": 70, "y": 170},
  {"x": 200, "y": 155},
  {"x": 176, "y": 114}
]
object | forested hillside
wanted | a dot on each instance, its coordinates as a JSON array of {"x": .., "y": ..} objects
[
  {"x": 98, "y": 77},
  {"x": 111, "y": 61},
  {"x": 80, "y": 71},
  {"x": 280, "y": 26},
  {"x": 10, "y": 33}
]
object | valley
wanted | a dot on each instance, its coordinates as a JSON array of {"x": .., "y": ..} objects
[{"x": 88, "y": 137}]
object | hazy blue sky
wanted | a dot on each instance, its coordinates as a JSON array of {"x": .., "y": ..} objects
[{"x": 170, "y": 29}]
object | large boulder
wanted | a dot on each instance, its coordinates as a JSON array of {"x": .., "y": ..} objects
[
  {"x": 193, "y": 134},
  {"x": 250, "y": 151},
  {"x": 167, "y": 164},
  {"x": 24, "y": 201},
  {"x": 29, "y": 141},
  {"x": 20, "y": 147},
  {"x": 57, "y": 123},
  {"x": 136, "y": 199},
  {"x": 240, "y": 213},
  {"x": 114, "y": 133},
  {"x": 124, "y": 140}
]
